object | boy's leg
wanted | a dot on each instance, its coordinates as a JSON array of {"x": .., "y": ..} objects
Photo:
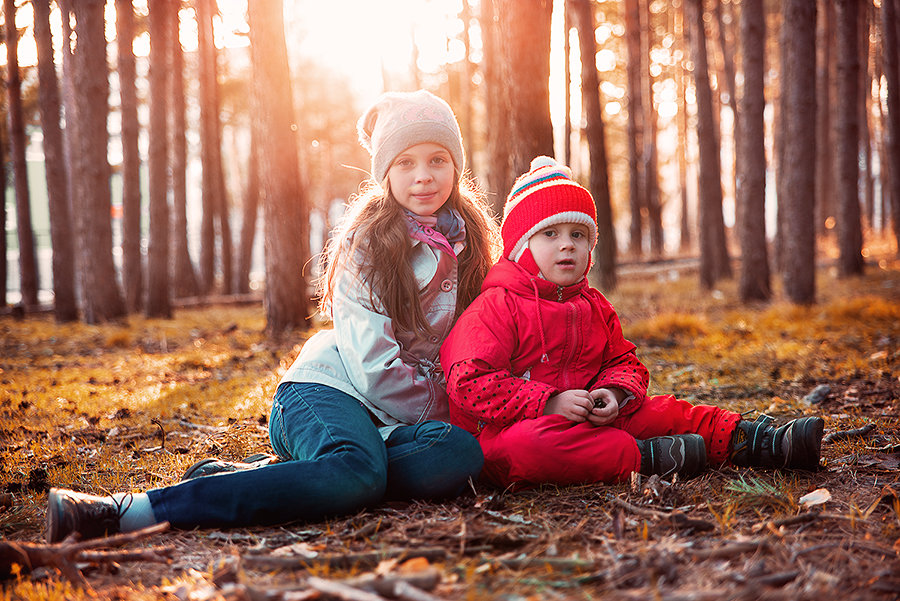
[
  {"x": 431, "y": 460},
  {"x": 665, "y": 415},
  {"x": 554, "y": 450}
]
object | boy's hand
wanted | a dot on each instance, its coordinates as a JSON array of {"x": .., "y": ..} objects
[
  {"x": 574, "y": 405},
  {"x": 605, "y": 408}
]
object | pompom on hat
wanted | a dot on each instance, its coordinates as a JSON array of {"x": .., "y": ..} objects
[
  {"x": 398, "y": 120},
  {"x": 546, "y": 195}
]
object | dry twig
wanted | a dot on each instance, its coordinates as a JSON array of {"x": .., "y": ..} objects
[{"x": 65, "y": 555}]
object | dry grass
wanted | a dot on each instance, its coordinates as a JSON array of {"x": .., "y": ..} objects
[{"x": 129, "y": 406}]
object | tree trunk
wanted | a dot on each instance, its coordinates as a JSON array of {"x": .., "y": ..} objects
[
  {"x": 799, "y": 151},
  {"x": 714, "y": 261},
  {"x": 28, "y": 271},
  {"x": 159, "y": 302},
  {"x": 184, "y": 277},
  {"x": 780, "y": 132},
  {"x": 286, "y": 209},
  {"x": 209, "y": 147},
  {"x": 751, "y": 189},
  {"x": 4, "y": 268},
  {"x": 500, "y": 173},
  {"x": 892, "y": 74},
  {"x": 91, "y": 202},
  {"x": 728, "y": 72},
  {"x": 605, "y": 251},
  {"x": 635, "y": 128},
  {"x": 248, "y": 222},
  {"x": 651, "y": 159},
  {"x": 825, "y": 158},
  {"x": 526, "y": 67},
  {"x": 132, "y": 262},
  {"x": 63, "y": 261},
  {"x": 847, "y": 137},
  {"x": 686, "y": 240},
  {"x": 865, "y": 87}
]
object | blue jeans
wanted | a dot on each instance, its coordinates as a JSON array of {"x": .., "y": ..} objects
[{"x": 334, "y": 462}]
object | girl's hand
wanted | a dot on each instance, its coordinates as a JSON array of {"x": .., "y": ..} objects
[
  {"x": 574, "y": 405},
  {"x": 605, "y": 406}
]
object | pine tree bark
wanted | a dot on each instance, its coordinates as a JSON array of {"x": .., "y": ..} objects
[
  {"x": 849, "y": 224},
  {"x": 605, "y": 251},
  {"x": 635, "y": 128},
  {"x": 215, "y": 203},
  {"x": 208, "y": 144},
  {"x": 500, "y": 173},
  {"x": 28, "y": 270},
  {"x": 825, "y": 158},
  {"x": 526, "y": 71},
  {"x": 651, "y": 158},
  {"x": 751, "y": 189},
  {"x": 4, "y": 275},
  {"x": 891, "y": 57},
  {"x": 286, "y": 206},
  {"x": 159, "y": 302},
  {"x": 799, "y": 151},
  {"x": 57, "y": 177},
  {"x": 184, "y": 277},
  {"x": 92, "y": 200},
  {"x": 714, "y": 261},
  {"x": 686, "y": 240},
  {"x": 249, "y": 218},
  {"x": 132, "y": 261}
]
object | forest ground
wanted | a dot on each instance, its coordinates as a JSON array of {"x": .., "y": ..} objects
[{"x": 129, "y": 406}]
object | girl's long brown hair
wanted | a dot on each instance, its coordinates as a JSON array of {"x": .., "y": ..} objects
[{"x": 374, "y": 238}]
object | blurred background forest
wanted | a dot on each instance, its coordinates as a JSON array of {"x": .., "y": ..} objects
[{"x": 166, "y": 150}]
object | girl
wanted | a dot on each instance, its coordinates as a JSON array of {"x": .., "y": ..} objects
[{"x": 361, "y": 414}]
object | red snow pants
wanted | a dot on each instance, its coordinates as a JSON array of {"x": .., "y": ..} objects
[{"x": 553, "y": 450}]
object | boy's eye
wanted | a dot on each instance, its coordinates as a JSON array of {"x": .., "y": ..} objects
[
  {"x": 549, "y": 233},
  {"x": 577, "y": 234},
  {"x": 439, "y": 160}
]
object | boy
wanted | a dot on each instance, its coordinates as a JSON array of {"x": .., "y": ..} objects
[{"x": 539, "y": 371}]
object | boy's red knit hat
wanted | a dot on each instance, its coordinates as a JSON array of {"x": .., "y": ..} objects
[{"x": 544, "y": 196}]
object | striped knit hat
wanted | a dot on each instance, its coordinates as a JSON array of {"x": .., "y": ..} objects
[{"x": 544, "y": 196}]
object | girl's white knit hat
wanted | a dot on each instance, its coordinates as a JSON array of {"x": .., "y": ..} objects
[{"x": 398, "y": 120}]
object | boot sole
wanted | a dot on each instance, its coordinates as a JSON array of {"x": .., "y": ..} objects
[{"x": 53, "y": 508}]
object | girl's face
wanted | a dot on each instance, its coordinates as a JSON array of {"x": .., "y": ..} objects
[
  {"x": 422, "y": 177},
  {"x": 561, "y": 252}
]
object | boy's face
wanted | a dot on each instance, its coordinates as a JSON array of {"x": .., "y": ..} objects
[{"x": 561, "y": 252}]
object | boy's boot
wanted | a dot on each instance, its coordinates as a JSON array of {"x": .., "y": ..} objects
[
  {"x": 682, "y": 454},
  {"x": 210, "y": 466},
  {"x": 795, "y": 445},
  {"x": 87, "y": 515}
]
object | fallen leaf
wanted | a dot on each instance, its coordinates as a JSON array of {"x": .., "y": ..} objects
[{"x": 816, "y": 497}]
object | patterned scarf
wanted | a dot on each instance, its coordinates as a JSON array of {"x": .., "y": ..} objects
[{"x": 445, "y": 230}]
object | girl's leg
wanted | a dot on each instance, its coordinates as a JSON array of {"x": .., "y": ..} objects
[
  {"x": 431, "y": 460},
  {"x": 337, "y": 464},
  {"x": 664, "y": 415},
  {"x": 554, "y": 450}
]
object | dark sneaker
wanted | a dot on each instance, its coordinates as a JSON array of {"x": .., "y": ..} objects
[
  {"x": 89, "y": 516},
  {"x": 211, "y": 465},
  {"x": 795, "y": 445},
  {"x": 682, "y": 454}
]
